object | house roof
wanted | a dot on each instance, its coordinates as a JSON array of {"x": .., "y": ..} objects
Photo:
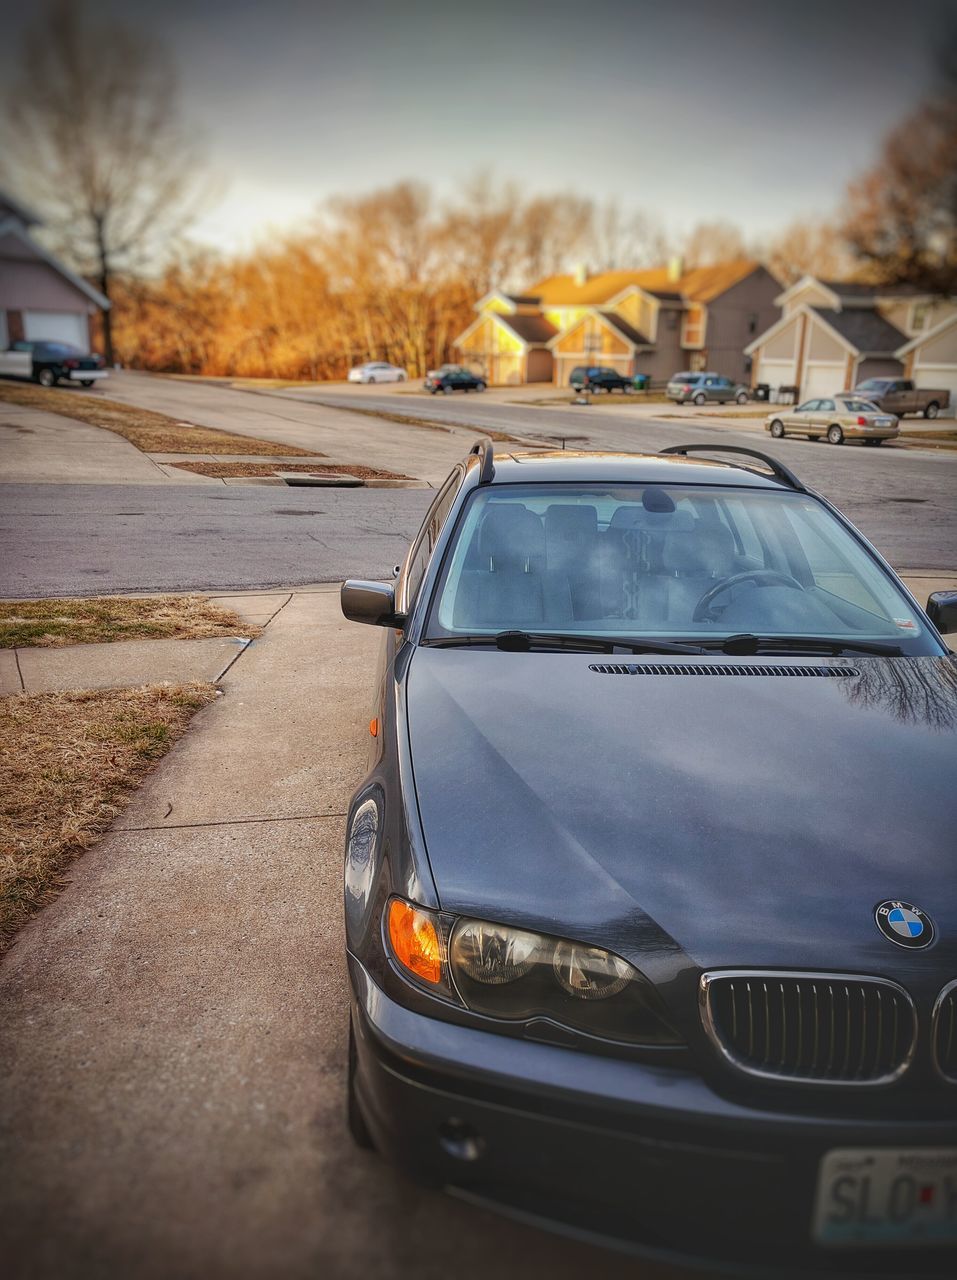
[
  {"x": 698, "y": 285},
  {"x": 851, "y": 289},
  {"x": 12, "y": 226},
  {"x": 13, "y": 208},
  {"x": 865, "y": 329},
  {"x": 625, "y": 329},
  {"x": 534, "y": 330}
]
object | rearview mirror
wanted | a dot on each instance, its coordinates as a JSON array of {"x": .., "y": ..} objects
[
  {"x": 370, "y": 602},
  {"x": 942, "y": 611}
]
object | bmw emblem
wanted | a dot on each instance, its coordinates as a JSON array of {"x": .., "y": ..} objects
[{"x": 905, "y": 924}]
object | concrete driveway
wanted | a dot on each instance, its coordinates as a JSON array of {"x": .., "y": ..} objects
[{"x": 172, "y": 1044}]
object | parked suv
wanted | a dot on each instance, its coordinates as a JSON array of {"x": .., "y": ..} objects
[
  {"x": 595, "y": 377},
  {"x": 699, "y": 388}
]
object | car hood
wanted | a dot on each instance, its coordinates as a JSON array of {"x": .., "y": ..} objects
[{"x": 743, "y": 819}]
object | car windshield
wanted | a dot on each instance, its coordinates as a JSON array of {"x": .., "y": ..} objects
[
  {"x": 673, "y": 562},
  {"x": 686, "y": 377},
  {"x": 874, "y": 384},
  {"x": 860, "y": 406}
]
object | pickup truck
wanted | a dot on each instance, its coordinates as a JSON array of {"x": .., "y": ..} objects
[
  {"x": 48, "y": 362},
  {"x": 900, "y": 396}
]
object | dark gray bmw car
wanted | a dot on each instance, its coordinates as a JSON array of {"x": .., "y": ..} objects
[{"x": 650, "y": 889}]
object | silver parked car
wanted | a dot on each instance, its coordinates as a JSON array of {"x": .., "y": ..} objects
[{"x": 700, "y": 388}]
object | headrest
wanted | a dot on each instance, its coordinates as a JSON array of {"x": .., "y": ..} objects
[
  {"x": 635, "y": 517},
  {"x": 568, "y": 521},
  {"x": 654, "y": 499},
  {"x": 708, "y": 549},
  {"x": 511, "y": 536}
]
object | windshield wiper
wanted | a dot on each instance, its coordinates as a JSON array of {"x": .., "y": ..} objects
[
  {"x": 750, "y": 643},
  {"x": 524, "y": 641}
]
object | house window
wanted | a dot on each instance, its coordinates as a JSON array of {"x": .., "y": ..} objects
[
  {"x": 918, "y": 316},
  {"x": 692, "y": 328}
]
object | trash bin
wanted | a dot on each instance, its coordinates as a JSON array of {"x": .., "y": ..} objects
[
  {"x": 762, "y": 391},
  {"x": 640, "y": 381}
]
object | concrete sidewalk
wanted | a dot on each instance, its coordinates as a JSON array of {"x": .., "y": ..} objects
[
  {"x": 172, "y": 1044},
  {"x": 37, "y": 447}
]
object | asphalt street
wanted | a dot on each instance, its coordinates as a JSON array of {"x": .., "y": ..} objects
[
  {"x": 74, "y": 539},
  {"x": 100, "y": 539}
]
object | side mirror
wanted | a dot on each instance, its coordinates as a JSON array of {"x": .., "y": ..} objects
[
  {"x": 370, "y": 602},
  {"x": 942, "y": 611}
]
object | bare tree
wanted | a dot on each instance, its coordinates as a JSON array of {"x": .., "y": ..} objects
[
  {"x": 709, "y": 243},
  {"x": 95, "y": 141},
  {"x": 808, "y": 247},
  {"x": 900, "y": 219}
]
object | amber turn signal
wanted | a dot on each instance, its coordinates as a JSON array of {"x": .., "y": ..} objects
[
  {"x": 415, "y": 943},
  {"x": 374, "y": 727}
]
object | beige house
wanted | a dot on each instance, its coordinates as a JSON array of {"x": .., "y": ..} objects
[
  {"x": 655, "y": 322},
  {"x": 930, "y": 359},
  {"x": 832, "y": 335}
]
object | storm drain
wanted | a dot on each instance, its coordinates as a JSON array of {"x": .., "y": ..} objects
[{"x": 716, "y": 669}]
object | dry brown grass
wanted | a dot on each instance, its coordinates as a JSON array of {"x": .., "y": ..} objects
[
  {"x": 68, "y": 763},
  {"x": 148, "y": 431},
  {"x": 54, "y": 623},
  {"x": 221, "y": 469},
  {"x": 407, "y": 420}
]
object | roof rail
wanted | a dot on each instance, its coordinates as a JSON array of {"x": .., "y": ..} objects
[
  {"x": 778, "y": 469},
  {"x": 482, "y": 449}
]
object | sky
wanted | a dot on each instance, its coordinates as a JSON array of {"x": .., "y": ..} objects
[{"x": 757, "y": 111}]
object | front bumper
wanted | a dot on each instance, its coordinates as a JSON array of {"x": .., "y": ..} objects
[{"x": 637, "y": 1156}]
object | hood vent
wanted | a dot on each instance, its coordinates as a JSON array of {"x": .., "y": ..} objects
[{"x": 714, "y": 669}]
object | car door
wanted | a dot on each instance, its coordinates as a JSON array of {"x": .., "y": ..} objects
[
  {"x": 802, "y": 417},
  {"x": 824, "y": 415}
]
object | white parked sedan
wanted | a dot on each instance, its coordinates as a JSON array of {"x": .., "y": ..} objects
[{"x": 377, "y": 371}]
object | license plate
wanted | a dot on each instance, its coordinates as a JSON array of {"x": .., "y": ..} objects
[{"x": 893, "y": 1195}]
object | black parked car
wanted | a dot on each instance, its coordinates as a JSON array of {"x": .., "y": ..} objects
[
  {"x": 48, "y": 362},
  {"x": 650, "y": 901},
  {"x": 449, "y": 380},
  {"x": 599, "y": 378}
]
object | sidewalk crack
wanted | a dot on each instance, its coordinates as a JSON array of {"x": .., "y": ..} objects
[
  {"x": 16, "y": 659},
  {"x": 235, "y": 822}
]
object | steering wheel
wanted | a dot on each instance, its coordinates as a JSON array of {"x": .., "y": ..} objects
[{"x": 760, "y": 577}]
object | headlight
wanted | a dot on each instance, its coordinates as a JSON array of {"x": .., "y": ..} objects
[{"x": 517, "y": 976}]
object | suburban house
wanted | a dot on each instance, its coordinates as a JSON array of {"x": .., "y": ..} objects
[
  {"x": 656, "y": 322},
  {"x": 833, "y": 335},
  {"x": 39, "y": 297}
]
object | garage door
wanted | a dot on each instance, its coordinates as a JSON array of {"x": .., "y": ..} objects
[
  {"x": 940, "y": 376},
  {"x": 57, "y": 326},
  {"x": 822, "y": 378},
  {"x": 776, "y": 373}
]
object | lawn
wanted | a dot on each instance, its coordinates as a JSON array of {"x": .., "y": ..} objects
[
  {"x": 149, "y": 431},
  {"x": 58, "y": 622},
  {"x": 68, "y": 763}
]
